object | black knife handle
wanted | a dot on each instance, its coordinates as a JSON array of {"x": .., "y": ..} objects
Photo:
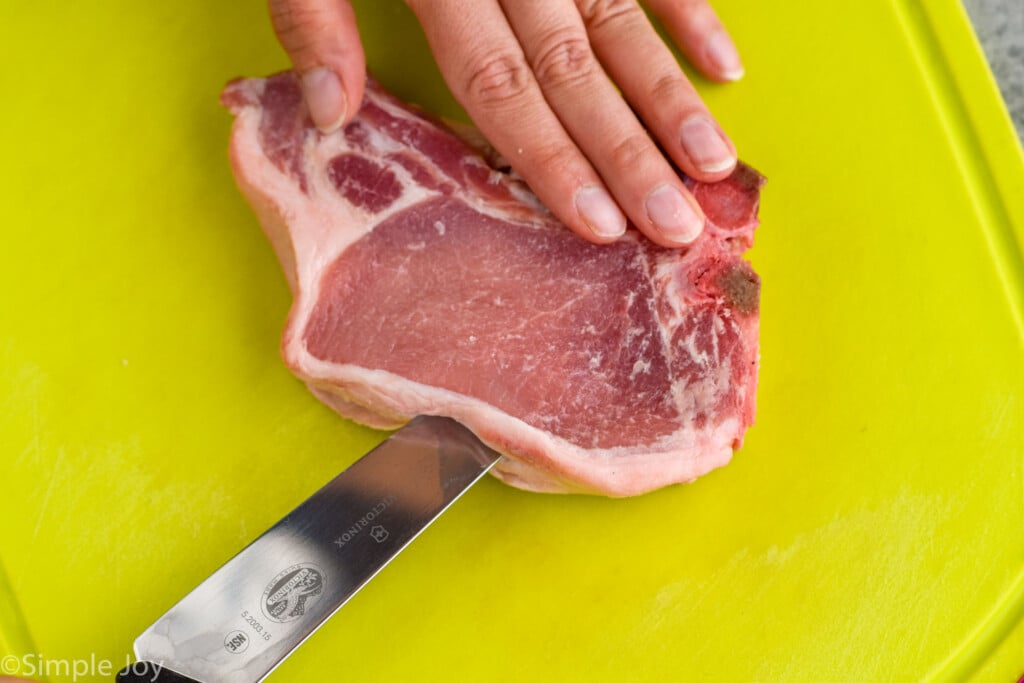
[{"x": 148, "y": 672}]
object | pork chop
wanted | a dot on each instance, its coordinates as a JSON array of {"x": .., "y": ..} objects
[{"x": 426, "y": 281}]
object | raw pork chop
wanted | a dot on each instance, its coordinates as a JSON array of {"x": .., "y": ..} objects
[{"x": 426, "y": 281}]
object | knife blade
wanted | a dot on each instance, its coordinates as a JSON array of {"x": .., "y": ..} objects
[{"x": 242, "y": 621}]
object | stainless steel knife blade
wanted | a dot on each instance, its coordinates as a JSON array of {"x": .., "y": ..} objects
[{"x": 250, "y": 614}]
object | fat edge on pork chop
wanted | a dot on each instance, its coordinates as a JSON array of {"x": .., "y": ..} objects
[{"x": 426, "y": 281}]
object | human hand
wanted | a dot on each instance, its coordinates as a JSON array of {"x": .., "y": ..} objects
[{"x": 539, "y": 77}]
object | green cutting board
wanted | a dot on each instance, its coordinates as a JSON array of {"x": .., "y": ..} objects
[{"x": 872, "y": 527}]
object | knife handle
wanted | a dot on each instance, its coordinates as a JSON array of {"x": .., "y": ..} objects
[{"x": 148, "y": 672}]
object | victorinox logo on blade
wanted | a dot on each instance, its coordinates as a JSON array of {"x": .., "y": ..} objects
[
  {"x": 290, "y": 593},
  {"x": 377, "y": 532}
]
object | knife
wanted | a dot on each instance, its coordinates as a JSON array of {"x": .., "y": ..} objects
[{"x": 242, "y": 621}]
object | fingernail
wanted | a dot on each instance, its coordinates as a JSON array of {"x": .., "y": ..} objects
[
  {"x": 599, "y": 212},
  {"x": 724, "y": 57},
  {"x": 673, "y": 215},
  {"x": 325, "y": 98},
  {"x": 705, "y": 145}
]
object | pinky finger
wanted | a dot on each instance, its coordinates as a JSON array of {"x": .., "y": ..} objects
[{"x": 699, "y": 33}]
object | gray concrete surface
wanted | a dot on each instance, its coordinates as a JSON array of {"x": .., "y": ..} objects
[{"x": 1000, "y": 28}]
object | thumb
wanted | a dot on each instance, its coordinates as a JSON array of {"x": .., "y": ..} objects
[{"x": 321, "y": 38}]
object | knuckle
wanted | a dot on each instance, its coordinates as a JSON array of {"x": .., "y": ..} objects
[
  {"x": 497, "y": 80},
  {"x": 668, "y": 88},
  {"x": 600, "y": 13},
  {"x": 558, "y": 161},
  {"x": 289, "y": 17},
  {"x": 632, "y": 152},
  {"x": 563, "y": 58},
  {"x": 295, "y": 23}
]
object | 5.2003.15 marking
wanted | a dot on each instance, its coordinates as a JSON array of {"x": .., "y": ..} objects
[{"x": 256, "y": 625}]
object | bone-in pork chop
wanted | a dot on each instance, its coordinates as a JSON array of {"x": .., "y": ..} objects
[{"x": 427, "y": 282}]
